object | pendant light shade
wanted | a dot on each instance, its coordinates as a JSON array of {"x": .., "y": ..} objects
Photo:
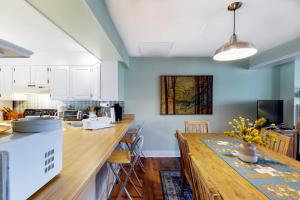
[{"x": 234, "y": 49}]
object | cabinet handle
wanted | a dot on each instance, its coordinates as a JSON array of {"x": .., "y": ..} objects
[
  {"x": 0, "y": 95},
  {"x": 0, "y": 69},
  {"x": 48, "y": 81},
  {"x": 14, "y": 81}
]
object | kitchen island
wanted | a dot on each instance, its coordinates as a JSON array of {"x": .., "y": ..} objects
[{"x": 84, "y": 154}]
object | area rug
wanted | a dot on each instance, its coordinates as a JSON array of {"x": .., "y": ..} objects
[{"x": 171, "y": 186}]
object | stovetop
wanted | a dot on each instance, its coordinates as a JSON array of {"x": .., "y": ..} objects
[{"x": 39, "y": 112}]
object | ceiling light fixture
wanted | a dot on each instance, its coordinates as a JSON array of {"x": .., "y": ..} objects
[{"x": 234, "y": 49}]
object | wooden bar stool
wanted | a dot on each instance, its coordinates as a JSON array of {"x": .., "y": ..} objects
[{"x": 121, "y": 158}]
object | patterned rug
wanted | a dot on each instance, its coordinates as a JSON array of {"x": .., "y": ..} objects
[{"x": 171, "y": 186}]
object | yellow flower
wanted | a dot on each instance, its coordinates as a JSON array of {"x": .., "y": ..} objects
[{"x": 230, "y": 123}]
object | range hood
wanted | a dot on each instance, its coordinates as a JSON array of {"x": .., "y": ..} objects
[{"x": 10, "y": 50}]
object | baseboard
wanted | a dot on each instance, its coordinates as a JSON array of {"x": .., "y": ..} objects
[{"x": 148, "y": 154}]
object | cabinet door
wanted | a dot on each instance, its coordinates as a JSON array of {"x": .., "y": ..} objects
[
  {"x": 95, "y": 82},
  {"x": 21, "y": 76},
  {"x": 59, "y": 83},
  {"x": 39, "y": 76},
  {"x": 80, "y": 87},
  {"x": 6, "y": 83},
  {"x": 109, "y": 81}
]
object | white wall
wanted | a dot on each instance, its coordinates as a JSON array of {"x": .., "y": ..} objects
[{"x": 235, "y": 92}]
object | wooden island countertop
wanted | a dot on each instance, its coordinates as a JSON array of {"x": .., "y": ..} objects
[{"x": 84, "y": 153}]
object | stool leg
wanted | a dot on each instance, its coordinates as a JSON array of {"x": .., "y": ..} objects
[
  {"x": 130, "y": 180},
  {"x": 141, "y": 165},
  {"x": 123, "y": 184},
  {"x": 137, "y": 178}
]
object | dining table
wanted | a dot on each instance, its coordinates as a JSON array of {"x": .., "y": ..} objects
[{"x": 230, "y": 182}]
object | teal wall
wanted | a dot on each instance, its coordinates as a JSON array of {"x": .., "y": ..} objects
[
  {"x": 235, "y": 91},
  {"x": 286, "y": 90}
]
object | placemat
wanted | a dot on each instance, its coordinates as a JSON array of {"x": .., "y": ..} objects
[{"x": 276, "y": 180}]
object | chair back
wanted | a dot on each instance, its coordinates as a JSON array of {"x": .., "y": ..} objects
[
  {"x": 196, "y": 126},
  {"x": 184, "y": 154},
  {"x": 280, "y": 144},
  {"x": 203, "y": 189},
  {"x": 137, "y": 148},
  {"x": 135, "y": 129}
]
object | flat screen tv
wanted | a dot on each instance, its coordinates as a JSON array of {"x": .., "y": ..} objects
[{"x": 271, "y": 110}]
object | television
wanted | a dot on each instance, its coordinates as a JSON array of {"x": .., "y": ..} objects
[{"x": 271, "y": 110}]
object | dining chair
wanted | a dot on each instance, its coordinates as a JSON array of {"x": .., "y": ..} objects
[
  {"x": 186, "y": 174},
  {"x": 203, "y": 188},
  {"x": 196, "y": 126},
  {"x": 280, "y": 144}
]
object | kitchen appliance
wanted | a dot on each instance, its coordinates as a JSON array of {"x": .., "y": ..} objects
[
  {"x": 39, "y": 112},
  {"x": 118, "y": 112},
  {"x": 10, "y": 50},
  {"x": 72, "y": 115},
  {"x": 29, "y": 160},
  {"x": 35, "y": 124}
]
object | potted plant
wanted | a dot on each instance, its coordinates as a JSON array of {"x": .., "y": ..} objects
[{"x": 250, "y": 134}]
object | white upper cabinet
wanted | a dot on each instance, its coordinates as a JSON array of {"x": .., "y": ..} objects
[
  {"x": 34, "y": 76},
  {"x": 96, "y": 82},
  {"x": 21, "y": 76},
  {"x": 40, "y": 76},
  {"x": 80, "y": 82},
  {"x": 112, "y": 81},
  {"x": 59, "y": 81},
  {"x": 6, "y": 83}
]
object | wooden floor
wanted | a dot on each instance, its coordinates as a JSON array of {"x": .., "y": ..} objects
[{"x": 151, "y": 179}]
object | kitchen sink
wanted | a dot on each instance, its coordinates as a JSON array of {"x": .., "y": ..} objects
[{"x": 75, "y": 124}]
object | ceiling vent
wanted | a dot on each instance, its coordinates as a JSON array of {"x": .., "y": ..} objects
[{"x": 155, "y": 49}]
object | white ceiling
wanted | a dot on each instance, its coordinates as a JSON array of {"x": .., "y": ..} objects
[
  {"x": 24, "y": 26},
  {"x": 199, "y": 27}
]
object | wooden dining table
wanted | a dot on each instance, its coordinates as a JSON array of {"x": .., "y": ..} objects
[{"x": 230, "y": 184}]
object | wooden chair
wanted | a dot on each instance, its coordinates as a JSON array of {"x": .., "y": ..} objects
[
  {"x": 281, "y": 143},
  {"x": 186, "y": 174},
  {"x": 196, "y": 126},
  {"x": 203, "y": 188}
]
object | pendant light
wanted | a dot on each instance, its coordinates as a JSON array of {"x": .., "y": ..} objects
[{"x": 234, "y": 49}]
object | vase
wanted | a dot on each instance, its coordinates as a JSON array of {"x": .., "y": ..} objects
[{"x": 247, "y": 152}]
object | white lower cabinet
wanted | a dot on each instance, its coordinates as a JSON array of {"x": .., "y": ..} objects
[
  {"x": 59, "y": 83},
  {"x": 6, "y": 83},
  {"x": 80, "y": 82}
]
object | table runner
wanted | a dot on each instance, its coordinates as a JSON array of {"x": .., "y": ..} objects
[{"x": 274, "y": 179}]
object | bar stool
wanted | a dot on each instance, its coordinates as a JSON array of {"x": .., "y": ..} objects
[
  {"x": 131, "y": 135},
  {"x": 121, "y": 158}
]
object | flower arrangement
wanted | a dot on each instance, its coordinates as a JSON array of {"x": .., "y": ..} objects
[{"x": 250, "y": 132}]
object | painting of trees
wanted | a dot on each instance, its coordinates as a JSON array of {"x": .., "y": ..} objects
[{"x": 184, "y": 95}]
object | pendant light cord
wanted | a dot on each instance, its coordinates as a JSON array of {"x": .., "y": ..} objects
[{"x": 234, "y": 22}]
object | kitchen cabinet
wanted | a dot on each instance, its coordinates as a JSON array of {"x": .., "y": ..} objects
[
  {"x": 96, "y": 82},
  {"x": 39, "y": 76},
  {"x": 6, "y": 83},
  {"x": 112, "y": 81},
  {"x": 59, "y": 82},
  {"x": 80, "y": 82},
  {"x": 31, "y": 76},
  {"x": 21, "y": 76}
]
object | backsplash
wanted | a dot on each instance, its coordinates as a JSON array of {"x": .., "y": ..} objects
[{"x": 43, "y": 101}]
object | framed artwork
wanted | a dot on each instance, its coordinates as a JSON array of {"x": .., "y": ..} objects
[{"x": 186, "y": 95}]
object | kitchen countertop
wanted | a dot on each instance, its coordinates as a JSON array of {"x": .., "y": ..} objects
[{"x": 84, "y": 153}]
